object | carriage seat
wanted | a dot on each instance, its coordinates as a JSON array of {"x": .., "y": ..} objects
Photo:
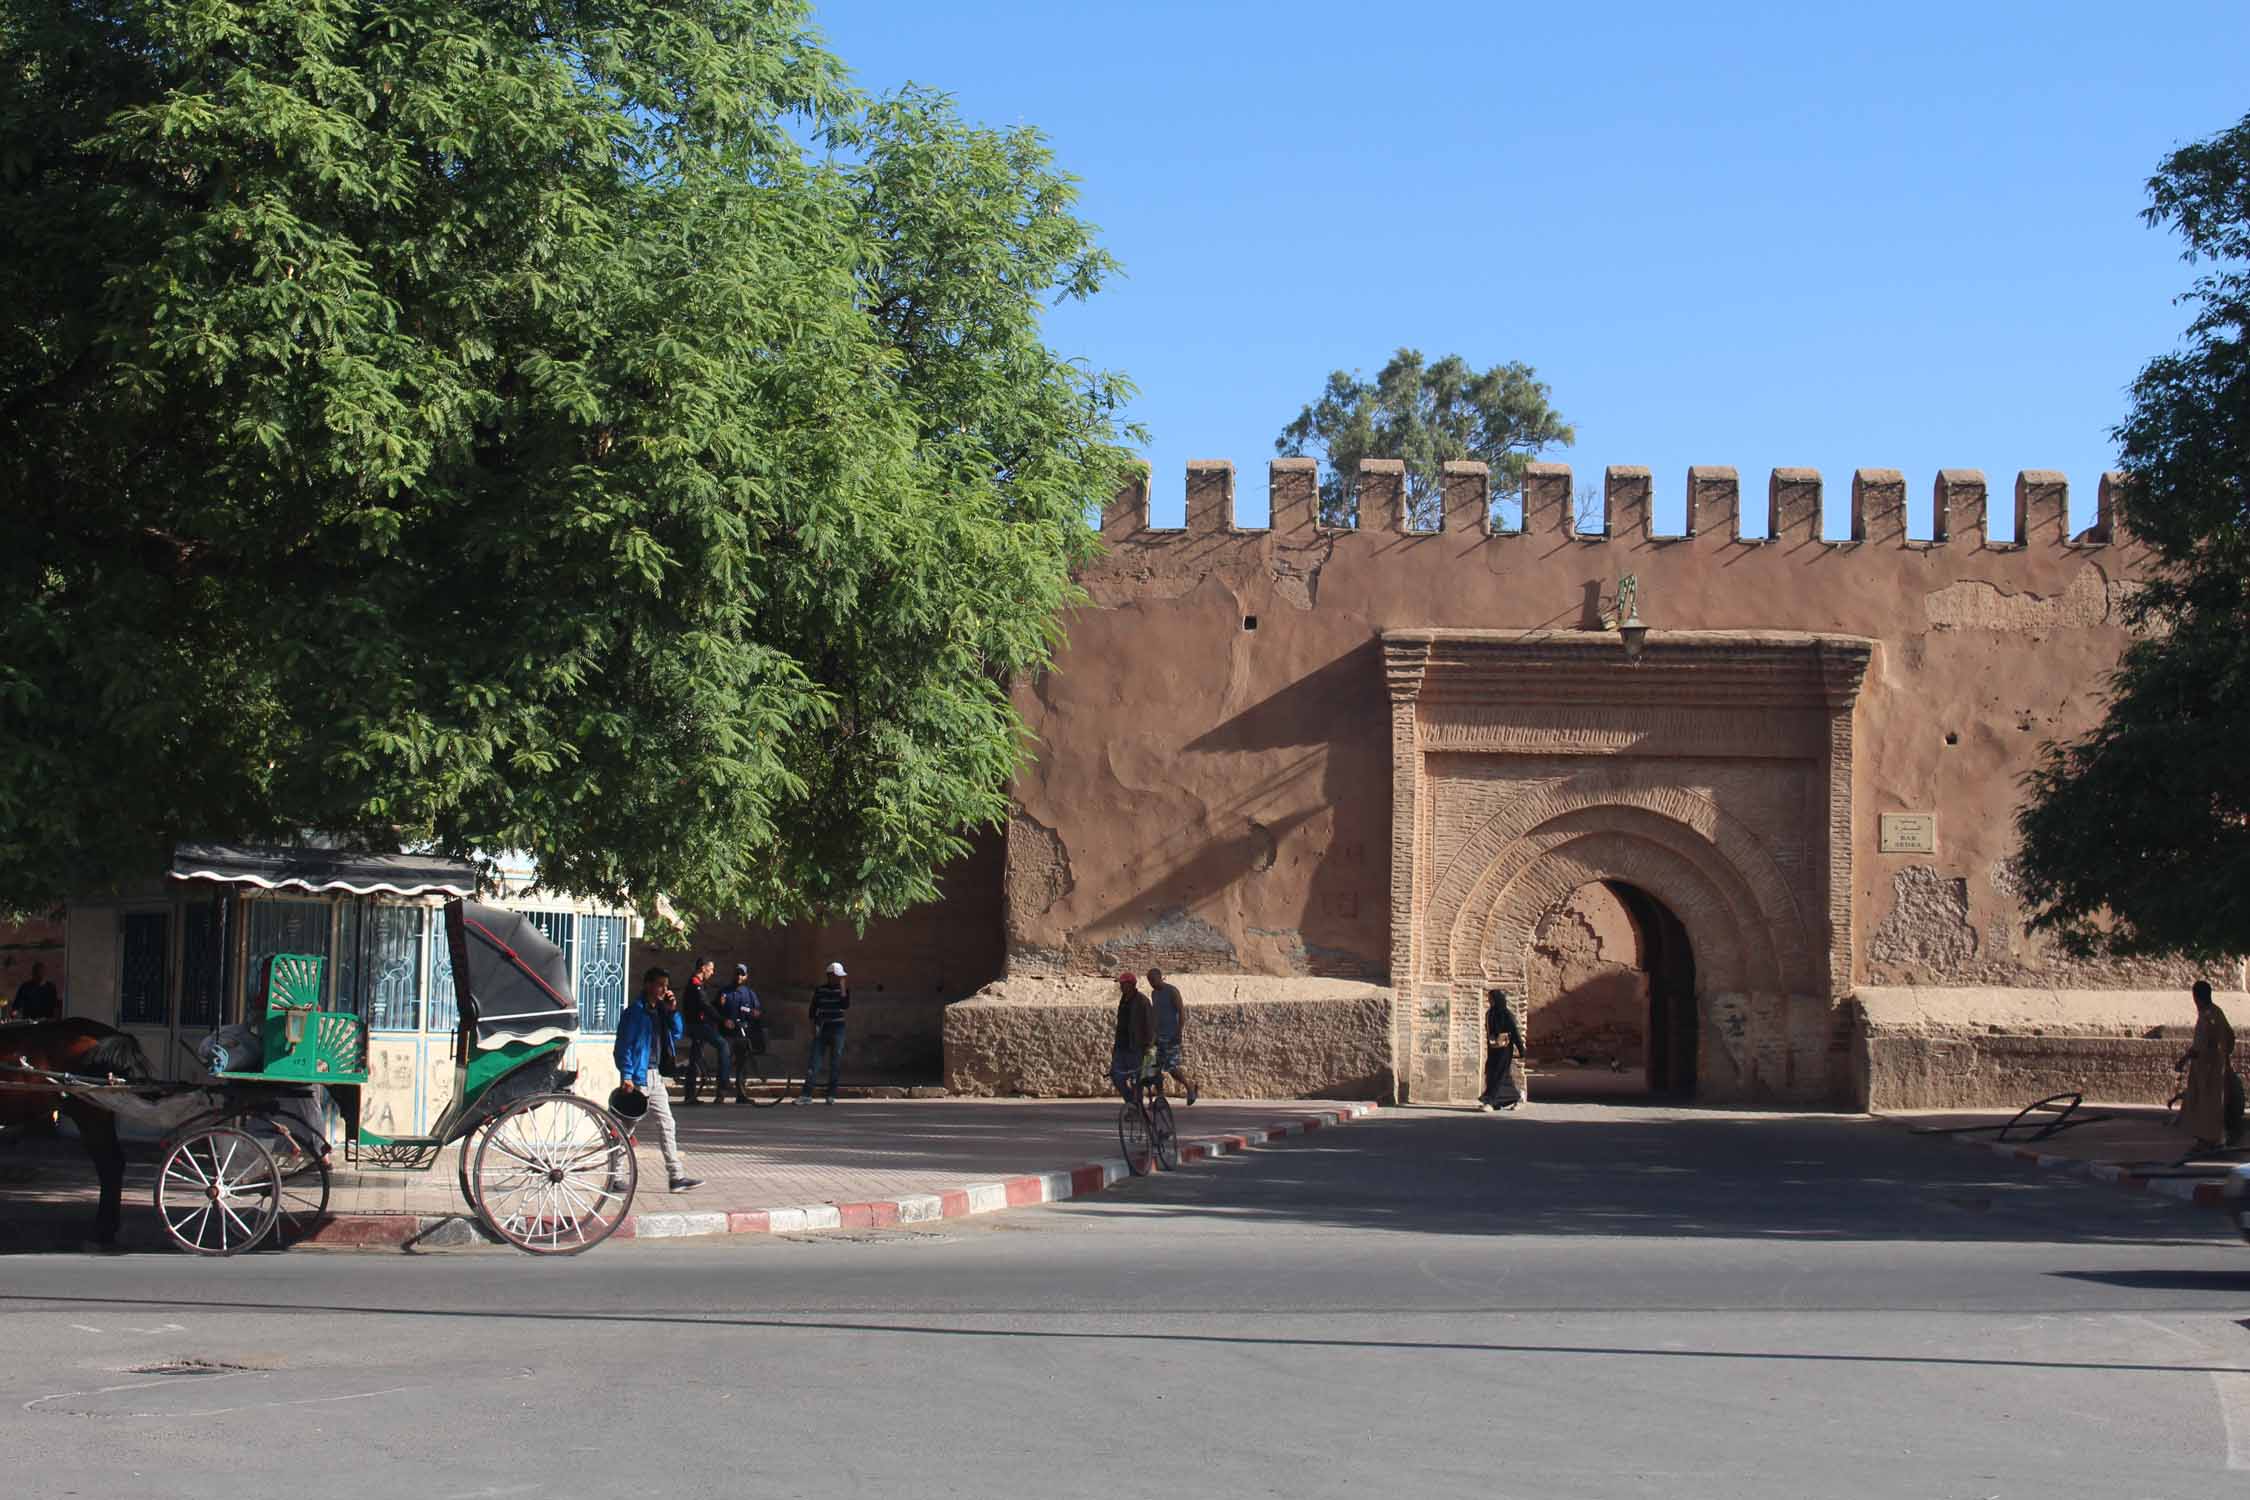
[{"x": 304, "y": 1043}]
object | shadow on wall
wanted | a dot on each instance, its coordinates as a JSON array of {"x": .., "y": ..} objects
[{"x": 1336, "y": 720}]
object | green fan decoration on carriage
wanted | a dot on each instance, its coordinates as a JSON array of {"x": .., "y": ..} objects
[{"x": 302, "y": 1040}]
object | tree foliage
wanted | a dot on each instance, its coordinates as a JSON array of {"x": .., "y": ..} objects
[
  {"x": 2136, "y": 838},
  {"x": 1427, "y": 414},
  {"x": 593, "y": 430}
]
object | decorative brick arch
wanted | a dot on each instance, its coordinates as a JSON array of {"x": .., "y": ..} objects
[
  {"x": 1636, "y": 805},
  {"x": 1710, "y": 769},
  {"x": 1734, "y": 946}
]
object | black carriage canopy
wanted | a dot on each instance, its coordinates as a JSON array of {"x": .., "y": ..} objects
[{"x": 508, "y": 976}]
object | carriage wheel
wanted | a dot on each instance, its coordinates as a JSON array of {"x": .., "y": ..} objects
[
  {"x": 303, "y": 1165},
  {"x": 218, "y": 1192},
  {"x": 553, "y": 1175}
]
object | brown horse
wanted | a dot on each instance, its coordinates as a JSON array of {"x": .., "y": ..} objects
[{"x": 87, "y": 1048}]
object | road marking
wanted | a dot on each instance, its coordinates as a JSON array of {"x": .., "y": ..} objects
[
  {"x": 2234, "y": 1410},
  {"x": 215, "y": 1411}
]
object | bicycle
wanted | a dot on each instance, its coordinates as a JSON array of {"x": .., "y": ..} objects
[
  {"x": 1145, "y": 1128},
  {"x": 753, "y": 1085}
]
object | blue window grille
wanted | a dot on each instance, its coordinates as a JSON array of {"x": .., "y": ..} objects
[
  {"x": 395, "y": 936},
  {"x": 144, "y": 945},
  {"x": 445, "y": 1006},
  {"x": 283, "y": 927},
  {"x": 559, "y": 928},
  {"x": 601, "y": 973},
  {"x": 199, "y": 965}
]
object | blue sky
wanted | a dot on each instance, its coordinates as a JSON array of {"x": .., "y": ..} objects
[{"x": 1903, "y": 236}]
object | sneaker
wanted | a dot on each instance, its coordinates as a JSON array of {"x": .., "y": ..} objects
[
  {"x": 1191, "y": 1094},
  {"x": 686, "y": 1184},
  {"x": 1484, "y": 1109},
  {"x": 803, "y": 1100},
  {"x": 690, "y": 1102},
  {"x": 831, "y": 1099}
]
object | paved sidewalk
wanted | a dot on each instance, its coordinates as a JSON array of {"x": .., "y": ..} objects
[
  {"x": 2137, "y": 1147},
  {"x": 791, "y": 1168}
]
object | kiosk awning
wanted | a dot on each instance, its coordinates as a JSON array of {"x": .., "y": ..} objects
[{"x": 317, "y": 870}]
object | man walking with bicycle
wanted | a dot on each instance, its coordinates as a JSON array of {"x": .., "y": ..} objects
[
  {"x": 1171, "y": 1025},
  {"x": 1134, "y": 1036}
]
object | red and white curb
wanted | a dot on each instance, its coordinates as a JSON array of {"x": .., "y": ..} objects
[
  {"x": 879, "y": 1213},
  {"x": 2203, "y": 1192}
]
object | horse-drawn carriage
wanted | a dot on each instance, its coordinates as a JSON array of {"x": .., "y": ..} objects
[{"x": 247, "y": 1155}]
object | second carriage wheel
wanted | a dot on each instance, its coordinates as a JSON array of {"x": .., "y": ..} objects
[
  {"x": 302, "y": 1160},
  {"x": 218, "y": 1191},
  {"x": 553, "y": 1174}
]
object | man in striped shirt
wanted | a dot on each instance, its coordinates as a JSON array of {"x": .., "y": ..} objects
[{"x": 830, "y": 1003}]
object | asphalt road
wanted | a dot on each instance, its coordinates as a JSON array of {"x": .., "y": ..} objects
[{"x": 1579, "y": 1302}]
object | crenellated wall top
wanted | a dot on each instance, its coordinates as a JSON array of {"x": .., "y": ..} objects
[{"x": 1960, "y": 512}]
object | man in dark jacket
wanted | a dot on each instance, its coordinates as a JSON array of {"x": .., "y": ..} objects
[
  {"x": 1134, "y": 1036},
  {"x": 830, "y": 1003},
  {"x": 699, "y": 1010}
]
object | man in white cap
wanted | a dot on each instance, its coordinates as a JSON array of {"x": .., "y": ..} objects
[{"x": 829, "y": 1004}]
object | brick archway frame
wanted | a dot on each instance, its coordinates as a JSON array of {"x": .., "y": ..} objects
[{"x": 1590, "y": 757}]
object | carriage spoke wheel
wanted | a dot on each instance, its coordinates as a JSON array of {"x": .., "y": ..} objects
[
  {"x": 1133, "y": 1136},
  {"x": 218, "y": 1191},
  {"x": 553, "y": 1174},
  {"x": 1165, "y": 1132},
  {"x": 303, "y": 1165}
]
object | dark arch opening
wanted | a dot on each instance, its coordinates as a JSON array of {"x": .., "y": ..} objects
[{"x": 1612, "y": 1007}]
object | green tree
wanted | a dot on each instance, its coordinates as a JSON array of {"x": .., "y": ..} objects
[
  {"x": 2136, "y": 838},
  {"x": 596, "y": 431},
  {"x": 1427, "y": 414}
]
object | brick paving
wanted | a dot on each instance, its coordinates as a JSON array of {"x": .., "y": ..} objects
[{"x": 750, "y": 1159}]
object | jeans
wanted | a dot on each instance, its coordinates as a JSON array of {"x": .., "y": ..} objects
[
  {"x": 667, "y": 1134},
  {"x": 1124, "y": 1071},
  {"x": 827, "y": 1042},
  {"x": 719, "y": 1042}
]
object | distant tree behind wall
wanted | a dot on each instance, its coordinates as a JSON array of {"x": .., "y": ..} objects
[
  {"x": 2136, "y": 838},
  {"x": 1427, "y": 413}
]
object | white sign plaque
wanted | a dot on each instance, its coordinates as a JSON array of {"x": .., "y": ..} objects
[{"x": 1909, "y": 833}]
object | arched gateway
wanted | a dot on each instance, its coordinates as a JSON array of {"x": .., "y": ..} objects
[{"x": 1711, "y": 774}]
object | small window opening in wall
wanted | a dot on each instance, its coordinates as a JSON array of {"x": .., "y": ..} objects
[
  {"x": 1952, "y": 738},
  {"x": 1249, "y": 622}
]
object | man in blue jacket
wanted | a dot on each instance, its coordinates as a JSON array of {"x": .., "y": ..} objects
[{"x": 647, "y": 1034}]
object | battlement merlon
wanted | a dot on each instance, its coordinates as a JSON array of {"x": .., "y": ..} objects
[{"x": 1960, "y": 506}]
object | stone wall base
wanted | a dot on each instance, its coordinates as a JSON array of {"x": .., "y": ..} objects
[
  {"x": 1934, "y": 1048},
  {"x": 1248, "y": 1037}
]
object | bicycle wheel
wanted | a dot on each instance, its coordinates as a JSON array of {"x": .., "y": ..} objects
[
  {"x": 1164, "y": 1134},
  {"x": 1133, "y": 1136},
  {"x": 752, "y": 1085}
]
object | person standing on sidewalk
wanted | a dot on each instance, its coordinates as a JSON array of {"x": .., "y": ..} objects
[
  {"x": 1171, "y": 1026},
  {"x": 1133, "y": 1037},
  {"x": 1504, "y": 1081},
  {"x": 830, "y": 1002},
  {"x": 699, "y": 1008},
  {"x": 646, "y": 1034},
  {"x": 2209, "y": 1062},
  {"x": 35, "y": 998}
]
